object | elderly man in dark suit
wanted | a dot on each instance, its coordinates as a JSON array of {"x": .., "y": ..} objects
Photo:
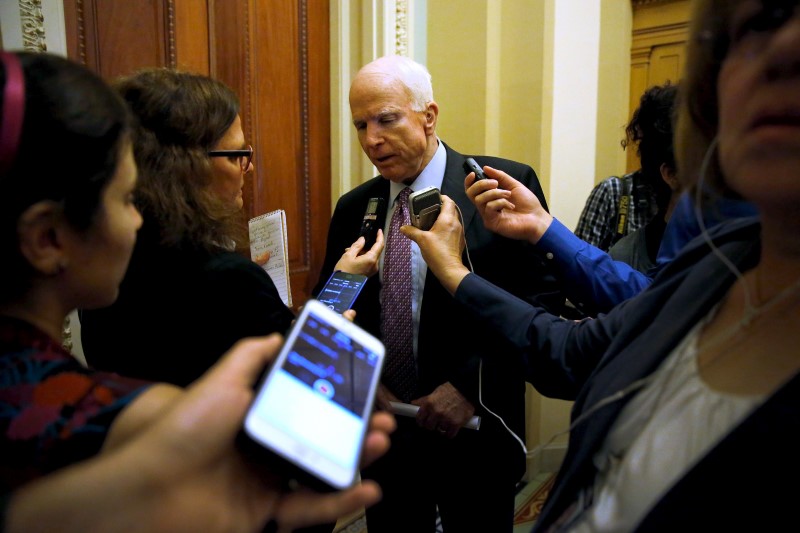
[{"x": 470, "y": 475}]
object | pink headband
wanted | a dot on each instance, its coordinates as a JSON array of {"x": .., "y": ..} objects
[{"x": 13, "y": 111}]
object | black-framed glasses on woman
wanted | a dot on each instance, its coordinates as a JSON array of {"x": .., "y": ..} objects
[{"x": 244, "y": 155}]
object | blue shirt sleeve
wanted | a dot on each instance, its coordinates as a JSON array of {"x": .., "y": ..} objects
[
  {"x": 593, "y": 281},
  {"x": 683, "y": 225}
]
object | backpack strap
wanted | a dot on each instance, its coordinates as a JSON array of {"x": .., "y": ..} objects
[{"x": 623, "y": 210}]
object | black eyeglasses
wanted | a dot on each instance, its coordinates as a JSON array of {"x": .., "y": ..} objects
[{"x": 245, "y": 156}]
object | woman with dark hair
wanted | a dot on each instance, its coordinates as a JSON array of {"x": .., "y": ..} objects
[
  {"x": 67, "y": 230},
  {"x": 189, "y": 293},
  {"x": 689, "y": 391}
]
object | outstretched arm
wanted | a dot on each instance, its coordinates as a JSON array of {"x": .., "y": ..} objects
[
  {"x": 442, "y": 245},
  {"x": 592, "y": 279},
  {"x": 507, "y": 207},
  {"x": 184, "y": 472}
]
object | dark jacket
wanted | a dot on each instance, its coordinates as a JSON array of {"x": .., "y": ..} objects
[
  {"x": 179, "y": 309},
  {"x": 740, "y": 484}
]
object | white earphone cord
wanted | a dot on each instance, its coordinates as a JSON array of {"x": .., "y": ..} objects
[{"x": 480, "y": 363}]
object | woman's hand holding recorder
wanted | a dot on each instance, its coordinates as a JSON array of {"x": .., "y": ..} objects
[
  {"x": 442, "y": 245},
  {"x": 356, "y": 260},
  {"x": 507, "y": 207}
]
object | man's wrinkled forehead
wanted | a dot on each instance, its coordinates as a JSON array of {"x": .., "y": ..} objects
[
  {"x": 374, "y": 113},
  {"x": 375, "y": 99}
]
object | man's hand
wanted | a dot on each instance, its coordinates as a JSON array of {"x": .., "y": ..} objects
[
  {"x": 356, "y": 262},
  {"x": 384, "y": 397},
  {"x": 507, "y": 207},
  {"x": 442, "y": 245},
  {"x": 444, "y": 410}
]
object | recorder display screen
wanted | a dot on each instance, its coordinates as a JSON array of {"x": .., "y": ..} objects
[
  {"x": 315, "y": 405},
  {"x": 341, "y": 290},
  {"x": 332, "y": 364}
]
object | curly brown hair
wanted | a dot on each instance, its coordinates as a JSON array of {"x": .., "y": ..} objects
[
  {"x": 180, "y": 116},
  {"x": 650, "y": 128}
]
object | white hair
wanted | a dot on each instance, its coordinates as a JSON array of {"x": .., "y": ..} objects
[{"x": 414, "y": 76}]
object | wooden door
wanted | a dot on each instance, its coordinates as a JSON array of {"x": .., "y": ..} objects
[
  {"x": 275, "y": 55},
  {"x": 658, "y": 50}
]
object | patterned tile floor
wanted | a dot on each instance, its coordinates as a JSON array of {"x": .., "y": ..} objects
[{"x": 529, "y": 501}]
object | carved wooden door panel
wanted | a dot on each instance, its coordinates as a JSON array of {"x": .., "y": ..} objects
[
  {"x": 658, "y": 49},
  {"x": 274, "y": 54}
]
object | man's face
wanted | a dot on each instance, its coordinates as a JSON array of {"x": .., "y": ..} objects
[{"x": 398, "y": 140}]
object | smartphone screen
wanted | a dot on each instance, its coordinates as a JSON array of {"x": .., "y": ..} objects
[
  {"x": 313, "y": 408},
  {"x": 341, "y": 290}
]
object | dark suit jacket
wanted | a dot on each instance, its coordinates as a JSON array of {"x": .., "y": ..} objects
[
  {"x": 451, "y": 342},
  {"x": 737, "y": 485}
]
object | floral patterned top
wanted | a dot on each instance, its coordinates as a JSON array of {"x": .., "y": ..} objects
[{"x": 53, "y": 411}]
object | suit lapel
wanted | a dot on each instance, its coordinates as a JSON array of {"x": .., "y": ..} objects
[
  {"x": 453, "y": 185},
  {"x": 379, "y": 188}
]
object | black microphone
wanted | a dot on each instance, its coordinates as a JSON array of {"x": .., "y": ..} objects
[
  {"x": 470, "y": 165},
  {"x": 374, "y": 218}
]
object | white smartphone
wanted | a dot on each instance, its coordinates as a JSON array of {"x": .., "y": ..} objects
[{"x": 312, "y": 409}]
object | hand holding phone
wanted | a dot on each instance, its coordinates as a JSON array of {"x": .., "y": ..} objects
[
  {"x": 470, "y": 165},
  {"x": 424, "y": 206},
  {"x": 341, "y": 290},
  {"x": 312, "y": 409}
]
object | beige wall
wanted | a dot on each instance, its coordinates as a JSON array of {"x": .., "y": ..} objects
[
  {"x": 487, "y": 68},
  {"x": 498, "y": 95},
  {"x": 613, "y": 86}
]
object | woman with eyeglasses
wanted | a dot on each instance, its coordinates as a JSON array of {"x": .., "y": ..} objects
[{"x": 190, "y": 292}]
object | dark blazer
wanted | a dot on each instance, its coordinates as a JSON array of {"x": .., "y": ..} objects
[
  {"x": 179, "y": 309},
  {"x": 737, "y": 485},
  {"x": 451, "y": 342}
]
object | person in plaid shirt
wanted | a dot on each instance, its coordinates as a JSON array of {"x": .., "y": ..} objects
[{"x": 651, "y": 130}]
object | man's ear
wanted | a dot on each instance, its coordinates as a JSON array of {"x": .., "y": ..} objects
[
  {"x": 431, "y": 115},
  {"x": 670, "y": 177},
  {"x": 39, "y": 229}
]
